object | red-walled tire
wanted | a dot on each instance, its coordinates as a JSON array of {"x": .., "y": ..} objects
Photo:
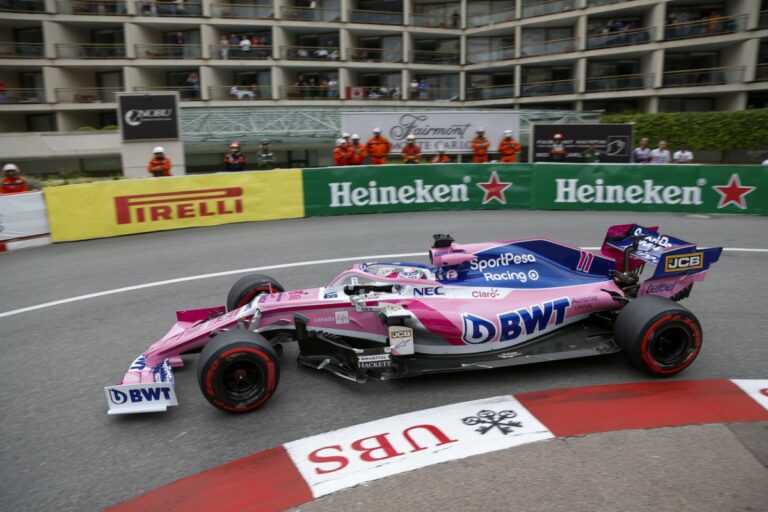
[
  {"x": 658, "y": 335},
  {"x": 238, "y": 371},
  {"x": 250, "y": 286}
]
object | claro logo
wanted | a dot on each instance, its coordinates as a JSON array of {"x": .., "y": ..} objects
[{"x": 178, "y": 205}]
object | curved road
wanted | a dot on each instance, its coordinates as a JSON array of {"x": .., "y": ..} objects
[{"x": 60, "y": 451}]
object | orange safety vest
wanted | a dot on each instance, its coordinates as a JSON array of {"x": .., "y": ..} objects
[
  {"x": 440, "y": 159},
  {"x": 14, "y": 185},
  {"x": 508, "y": 148},
  {"x": 378, "y": 147},
  {"x": 164, "y": 166},
  {"x": 341, "y": 156},
  {"x": 480, "y": 145},
  {"x": 411, "y": 154},
  {"x": 357, "y": 154}
]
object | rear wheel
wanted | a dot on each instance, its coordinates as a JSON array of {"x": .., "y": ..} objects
[
  {"x": 659, "y": 336},
  {"x": 250, "y": 286},
  {"x": 238, "y": 371}
]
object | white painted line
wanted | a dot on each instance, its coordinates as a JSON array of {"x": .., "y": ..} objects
[{"x": 255, "y": 269}]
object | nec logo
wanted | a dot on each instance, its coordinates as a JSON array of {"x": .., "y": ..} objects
[
  {"x": 428, "y": 292},
  {"x": 139, "y": 395},
  {"x": 178, "y": 205},
  {"x": 678, "y": 262}
]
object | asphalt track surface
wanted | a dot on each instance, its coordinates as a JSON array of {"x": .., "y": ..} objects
[{"x": 60, "y": 451}]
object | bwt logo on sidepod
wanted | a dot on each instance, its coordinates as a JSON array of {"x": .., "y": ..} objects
[
  {"x": 179, "y": 205},
  {"x": 513, "y": 324},
  {"x": 139, "y": 395},
  {"x": 136, "y": 117}
]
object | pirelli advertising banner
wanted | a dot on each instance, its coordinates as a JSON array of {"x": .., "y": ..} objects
[
  {"x": 97, "y": 210},
  {"x": 406, "y": 188}
]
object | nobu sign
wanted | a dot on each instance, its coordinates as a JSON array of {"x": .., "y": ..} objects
[{"x": 149, "y": 116}]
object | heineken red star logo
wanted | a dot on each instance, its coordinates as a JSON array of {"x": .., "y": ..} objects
[
  {"x": 494, "y": 189},
  {"x": 733, "y": 192}
]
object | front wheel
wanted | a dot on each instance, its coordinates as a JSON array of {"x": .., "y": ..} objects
[
  {"x": 250, "y": 286},
  {"x": 659, "y": 336},
  {"x": 238, "y": 371}
]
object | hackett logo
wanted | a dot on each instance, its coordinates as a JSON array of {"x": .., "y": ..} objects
[
  {"x": 344, "y": 195},
  {"x": 178, "y": 205},
  {"x": 571, "y": 191}
]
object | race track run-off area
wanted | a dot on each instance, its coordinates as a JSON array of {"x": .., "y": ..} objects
[{"x": 78, "y": 313}]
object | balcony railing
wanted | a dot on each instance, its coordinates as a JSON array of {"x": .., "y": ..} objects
[
  {"x": 547, "y": 7},
  {"x": 235, "y": 52},
  {"x": 548, "y": 88},
  {"x": 706, "y": 76},
  {"x": 503, "y": 53},
  {"x": 22, "y": 95},
  {"x": 434, "y": 94},
  {"x": 549, "y": 47},
  {"x": 186, "y": 92},
  {"x": 711, "y": 26},
  {"x": 376, "y": 55},
  {"x": 598, "y": 3},
  {"x": 25, "y": 6},
  {"x": 168, "y": 51},
  {"x": 310, "y": 14},
  {"x": 427, "y": 57},
  {"x": 440, "y": 21},
  {"x": 492, "y": 18},
  {"x": 309, "y": 92},
  {"x": 183, "y": 9},
  {"x": 240, "y": 92},
  {"x": 375, "y": 17},
  {"x": 491, "y": 92},
  {"x": 322, "y": 53},
  {"x": 763, "y": 21},
  {"x": 620, "y": 82},
  {"x": 93, "y": 7},
  {"x": 361, "y": 93},
  {"x": 620, "y": 38},
  {"x": 241, "y": 11},
  {"x": 87, "y": 94},
  {"x": 90, "y": 51},
  {"x": 761, "y": 73},
  {"x": 22, "y": 50}
]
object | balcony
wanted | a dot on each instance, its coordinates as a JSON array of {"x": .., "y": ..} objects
[
  {"x": 240, "y": 92},
  {"x": 376, "y": 55},
  {"x": 153, "y": 8},
  {"x": 492, "y": 18},
  {"x": 763, "y": 21},
  {"x": 621, "y": 38},
  {"x": 360, "y": 93},
  {"x": 168, "y": 51},
  {"x": 706, "y": 76},
  {"x": 240, "y": 11},
  {"x": 620, "y": 82},
  {"x": 90, "y": 51},
  {"x": 87, "y": 94},
  {"x": 93, "y": 7},
  {"x": 22, "y": 50},
  {"x": 375, "y": 17},
  {"x": 433, "y": 21},
  {"x": 548, "y": 7},
  {"x": 22, "y": 6},
  {"x": 707, "y": 27},
  {"x": 549, "y": 47},
  {"x": 761, "y": 73},
  {"x": 491, "y": 93},
  {"x": 428, "y": 57},
  {"x": 498, "y": 54},
  {"x": 310, "y": 14},
  {"x": 309, "y": 92},
  {"x": 316, "y": 53},
  {"x": 434, "y": 94},
  {"x": 599, "y": 3},
  {"x": 235, "y": 52},
  {"x": 186, "y": 92},
  {"x": 22, "y": 95},
  {"x": 548, "y": 88}
]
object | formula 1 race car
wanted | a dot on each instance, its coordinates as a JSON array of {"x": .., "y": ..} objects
[{"x": 476, "y": 306}]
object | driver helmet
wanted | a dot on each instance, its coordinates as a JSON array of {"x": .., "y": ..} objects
[{"x": 410, "y": 273}]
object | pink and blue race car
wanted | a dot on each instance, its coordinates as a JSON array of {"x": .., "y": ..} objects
[{"x": 475, "y": 306}]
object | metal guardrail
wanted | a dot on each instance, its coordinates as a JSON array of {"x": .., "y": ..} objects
[
  {"x": 491, "y": 92},
  {"x": 375, "y": 17},
  {"x": 434, "y": 94},
  {"x": 310, "y": 14},
  {"x": 235, "y": 52},
  {"x": 187, "y": 93},
  {"x": 93, "y": 7},
  {"x": 87, "y": 94},
  {"x": 428, "y": 57},
  {"x": 432, "y": 21},
  {"x": 599, "y": 3},
  {"x": 711, "y": 26},
  {"x": 619, "y": 82},
  {"x": 24, "y": 6},
  {"x": 168, "y": 51},
  {"x": 503, "y": 53},
  {"x": 704, "y": 76},
  {"x": 492, "y": 18},
  {"x": 620, "y": 38},
  {"x": 22, "y": 95},
  {"x": 548, "y": 88},
  {"x": 90, "y": 51},
  {"x": 308, "y": 92},
  {"x": 10, "y": 50},
  {"x": 375, "y": 55},
  {"x": 179, "y": 9},
  {"x": 240, "y": 92},
  {"x": 243, "y": 11},
  {"x": 548, "y": 47},
  {"x": 547, "y": 7}
]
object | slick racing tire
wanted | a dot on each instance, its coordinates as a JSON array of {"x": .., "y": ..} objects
[
  {"x": 658, "y": 335},
  {"x": 250, "y": 286},
  {"x": 238, "y": 371}
]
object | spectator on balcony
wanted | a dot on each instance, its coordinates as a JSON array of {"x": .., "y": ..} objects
[
  {"x": 411, "y": 152},
  {"x": 266, "y": 157},
  {"x": 245, "y": 45},
  {"x": 178, "y": 40},
  {"x": 159, "y": 165},
  {"x": 413, "y": 89},
  {"x": 455, "y": 19},
  {"x": 557, "y": 151},
  {"x": 508, "y": 148},
  {"x": 321, "y": 53},
  {"x": 378, "y": 147},
  {"x": 682, "y": 155},
  {"x": 341, "y": 153},
  {"x": 423, "y": 89},
  {"x": 357, "y": 151},
  {"x": 193, "y": 86},
  {"x": 480, "y": 146},
  {"x": 3, "y": 92},
  {"x": 661, "y": 154},
  {"x": 241, "y": 94},
  {"x": 13, "y": 181},
  {"x": 179, "y": 9},
  {"x": 224, "y": 47},
  {"x": 642, "y": 153},
  {"x": 234, "y": 161},
  {"x": 440, "y": 157}
]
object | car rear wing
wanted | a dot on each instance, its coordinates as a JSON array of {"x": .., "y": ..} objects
[{"x": 670, "y": 255}]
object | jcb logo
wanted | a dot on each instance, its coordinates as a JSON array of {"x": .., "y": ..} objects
[{"x": 678, "y": 262}]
